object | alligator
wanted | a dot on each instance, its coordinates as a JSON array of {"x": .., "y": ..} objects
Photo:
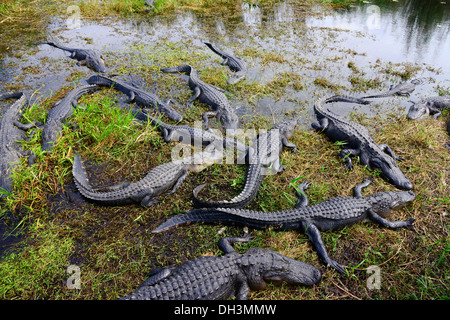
[
  {"x": 431, "y": 105},
  {"x": 193, "y": 136},
  {"x": 87, "y": 57},
  {"x": 209, "y": 94},
  {"x": 327, "y": 215},
  {"x": 11, "y": 132},
  {"x": 146, "y": 191},
  {"x": 268, "y": 148},
  {"x": 140, "y": 96},
  {"x": 402, "y": 89},
  {"x": 234, "y": 63},
  {"x": 230, "y": 275},
  {"x": 358, "y": 142},
  {"x": 58, "y": 114}
]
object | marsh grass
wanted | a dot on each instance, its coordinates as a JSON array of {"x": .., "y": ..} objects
[{"x": 114, "y": 245}]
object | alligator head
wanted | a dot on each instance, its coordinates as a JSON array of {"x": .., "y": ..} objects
[
  {"x": 287, "y": 128},
  {"x": 389, "y": 170},
  {"x": 201, "y": 160},
  {"x": 50, "y": 134},
  {"x": 384, "y": 202},
  {"x": 418, "y": 110},
  {"x": 264, "y": 266},
  {"x": 230, "y": 120},
  {"x": 96, "y": 63}
]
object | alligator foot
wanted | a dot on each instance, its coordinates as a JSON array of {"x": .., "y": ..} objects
[{"x": 302, "y": 199}]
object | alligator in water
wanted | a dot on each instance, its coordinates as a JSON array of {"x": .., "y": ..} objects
[
  {"x": 358, "y": 142},
  {"x": 230, "y": 275},
  {"x": 147, "y": 190},
  {"x": 59, "y": 113},
  {"x": 209, "y": 94},
  {"x": 235, "y": 64},
  {"x": 427, "y": 106},
  {"x": 87, "y": 57},
  {"x": 327, "y": 215},
  {"x": 140, "y": 96},
  {"x": 268, "y": 148},
  {"x": 402, "y": 89},
  {"x": 194, "y": 136},
  {"x": 11, "y": 132}
]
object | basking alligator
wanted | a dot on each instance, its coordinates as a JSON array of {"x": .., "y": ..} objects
[
  {"x": 58, "y": 114},
  {"x": 224, "y": 277},
  {"x": 431, "y": 105},
  {"x": 193, "y": 136},
  {"x": 268, "y": 148},
  {"x": 11, "y": 131},
  {"x": 145, "y": 191},
  {"x": 358, "y": 142},
  {"x": 402, "y": 89},
  {"x": 140, "y": 96},
  {"x": 234, "y": 63},
  {"x": 327, "y": 215},
  {"x": 209, "y": 94},
  {"x": 87, "y": 57}
]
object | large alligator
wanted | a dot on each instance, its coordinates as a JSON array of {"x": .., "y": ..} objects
[
  {"x": 427, "y": 106},
  {"x": 402, "y": 89},
  {"x": 266, "y": 157},
  {"x": 193, "y": 135},
  {"x": 230, "y": 275},
  {"x": 327, "y": 215},
  {"x": 146, "y": 191},
  {"x": 87, "y": 57},
  {"x": 209, "y": 94},
  {"x": 234, "y": 63},
  {"x": 59, "y": 113},
  {"x": 358, "y": 142},
  {"x": 11, "y": 132},
  {"x": 141, "y": 97}
]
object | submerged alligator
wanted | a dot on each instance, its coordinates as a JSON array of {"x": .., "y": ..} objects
[
  {"x": 146, "y": 191},
  {"x": 358, "y": 142},
  {"x": 87, "y": 57},
  {"x": 235, "y": 64},
  {"x": 224, "y": 277},
  {"x": 266, "y": 157},
  {"x": 402, "y": 89},
  {"x": 59, "y": 113},
  {"x": 429, "y": 106},
  {"x": 209, "y": 94},
  {"x": 140, "y": 96},
  {"x": 327, "y": 215},
  {"x": 11, "y": 132}
]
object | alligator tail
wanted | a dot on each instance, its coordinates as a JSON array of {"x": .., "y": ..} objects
[
  {"x": 182, "y": 68},
  {"x": 59, "y": 46},
  {"x": 343, "y": 98},
  {"x": 214, "y": 49},
  {"x": 79, "y": 174},
  {"x": 11, "y": 94}
]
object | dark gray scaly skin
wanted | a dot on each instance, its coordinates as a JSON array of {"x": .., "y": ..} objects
[
  {"x": 140, "y": 96},
  {"x": 429, "y": 106},
  {"x": 210, "y": 95},
  {"x": 59, "y": 113},
  {"x": 402, "y": 89},
  {"x": 11, "y": 132},
  {"x": 235, "y": 64},
  {"x": 268, "y": 149},
  {"x": 330, "y": 214},
  {"x": 87, "y": 57},
  {"x": 193, "y": 136},
  {"x": 358, "y": 142},
  {"x": 146, "y": 191},
  {"x": 224, "y": 277},
  {"x": 447, "y": 145}
]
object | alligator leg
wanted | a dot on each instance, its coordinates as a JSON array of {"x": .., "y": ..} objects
[
  {"x": 157, "y": 275},
  {"x": 393, "y": 225},
  {"x": 288, "y": 144},
  {"x": 225, "y": 61},
  {"x": 243, "y": 290},
  {"x": 131, "y": 97},
  {"x": 346, "y": 153},
  {"x": 357, "y": 190},
  {"x": 27, "y": 126},
  {"x": 314, "y": 235},
  {"x": 302, "y": 200},
  {"x": 225, "y": 244},
  {"x": 389, "y": 151},
  {"x": 197, "y": 93},
  {"x": 178, "y": 183},
  {"x": 206, "y": 116},
  {"x": 321, "y": 125}
]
